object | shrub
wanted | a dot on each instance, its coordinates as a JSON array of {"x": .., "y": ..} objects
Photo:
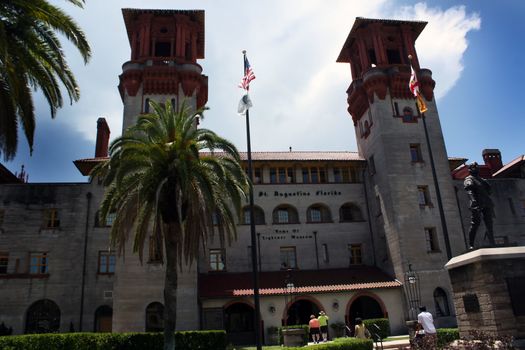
[
  {"x": 382, "y": 323},
  {"x": 446, "y": 336},
  {"x": 202, "y": 340}
]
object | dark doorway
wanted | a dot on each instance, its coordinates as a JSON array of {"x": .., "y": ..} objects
[
  {"x": 366, "y": 308},
  {"x": 300, "y": 311},
  {"x": 103, "y": 319},
  {"x": 43, "y": 317},
  {"x": 155, "y": 317},
  {"x": 239, "y": 324}
]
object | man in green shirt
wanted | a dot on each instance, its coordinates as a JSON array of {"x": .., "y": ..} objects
[{"x": 323, "y": 322}]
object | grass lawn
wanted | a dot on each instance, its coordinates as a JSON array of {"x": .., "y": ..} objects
[
  {"x": 274, "y": 347},
  {"x": 396, "y": 338}
]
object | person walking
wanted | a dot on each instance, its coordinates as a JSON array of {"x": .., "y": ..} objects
[
  {"x": 323, "y": 322},
  {"x": 314, "y": 328},
  {"x": 426, "y": 322}
]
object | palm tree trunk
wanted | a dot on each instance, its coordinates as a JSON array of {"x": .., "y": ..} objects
[{"x": 170, "y": 288}]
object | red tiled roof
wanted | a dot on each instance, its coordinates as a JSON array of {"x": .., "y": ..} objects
[
  {"x": 303, "y": 155},
  {"x": 507, "y": 169},
  {"x": 312, "y": 281}
]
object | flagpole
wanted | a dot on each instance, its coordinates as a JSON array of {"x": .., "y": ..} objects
[
  {"x": 255, "y": 271},
  {"x": 436, "y": 184}
]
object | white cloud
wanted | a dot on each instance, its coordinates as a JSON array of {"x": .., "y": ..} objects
[
  {"x": 299, "y": 95},
  {"x": 443, "y": 42}
]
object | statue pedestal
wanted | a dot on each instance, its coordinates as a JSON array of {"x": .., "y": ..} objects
[{"x": 489, "y": 291}]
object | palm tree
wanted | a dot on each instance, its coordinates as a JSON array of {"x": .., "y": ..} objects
[
  {"x": 159, "y": 181},
  {"x": 31, "y": 58}
]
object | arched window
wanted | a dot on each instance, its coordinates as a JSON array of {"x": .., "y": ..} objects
[
  {"x": 441, "y": 303},
  {"x": 155, "y": 317},
  {"x": 350, "y": 212},
  {"x": 258, "y": 213},
  {"x": 103, "y": 319},
  {"x": 285, "y": 214},
  {"x": 43, "y": 316},
  {"x": 318, "y": 213},
  {"x": 146, "y": 105}
]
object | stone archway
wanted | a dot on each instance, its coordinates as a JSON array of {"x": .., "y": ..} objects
[
  {"x": 299, "y": 311},
  {"x": 239, "y": 323},
  {"x": 365, "y": 306},
  {"x": 43, "y": 316}
]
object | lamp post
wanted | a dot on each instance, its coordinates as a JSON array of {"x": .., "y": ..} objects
[
  {"x": 413, "y": 295},
  {"x": 288, "y": 293}
]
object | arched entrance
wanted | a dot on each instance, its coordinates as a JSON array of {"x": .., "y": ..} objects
[
  {"x": 103, "y": 319},
  {"x": 238, "y": 323},
  {"x": 155, "y": 317},
  {"x": 364, "y": 307},
  {"x": 299, "y": 312},
  {"x": 43, "y": 316}
]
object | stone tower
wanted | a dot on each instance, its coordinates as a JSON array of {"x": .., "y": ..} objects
[
  {"x": 165, "y": 46},
  {"x": 416, "y": 223}
]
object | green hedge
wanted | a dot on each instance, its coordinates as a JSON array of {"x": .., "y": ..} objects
[
  {"x": 446, "y": 336},
  {"x": 202, "y": 340},
  {"x": 382, "y": 323},
  {"x": 342, "y": 344}
]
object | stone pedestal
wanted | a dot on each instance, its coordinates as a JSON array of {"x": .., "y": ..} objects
[
  {"x": 293, "y": 337},
  {"x": 489, "y": 291}
]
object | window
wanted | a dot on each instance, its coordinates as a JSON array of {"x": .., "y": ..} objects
[
  {"x": 314, "y": 175},
  {"x": 415, "y": 153},
  {"x": 257, "y": 177},
  {"x": 318, "y": 213},
  {"x": 288, "y": 258},
  {"x": 432, "y": 240},
  {"x": 522, "y": 202},
  {"x": 347, "y": 175},
  {"x": 441, "y": 303},
  {"x": 258, "y": 214},
  {"x": 217, "y": 258},
  {"x": 423, "y": 196},
  {"x": 4, "y": 262},
  {"x": 2, "y": 215},
  {"x": 110, "y": 218},
  {"x": 285, "y": 214},
  {"x": 38, "y": 263},
  {"x": 146, "y": 105},
  {"x": 408, "y": 115},
  {"x": 282, "y": 175},
  {"x": 355, "y": 254},
  {"x": 371, "y": 165},
  {"x": 393, "y": 56},
  {"x": 338, "y": 176},
  {"x": 350, "y": 212},
  {"x": 155, "y": 250},
  {"x": 106, "y": 262},
  {"x": 162, "y": 49},
  {"x": 155, "y": 317},
  {"x": 326, "y": 258},
  {"x": 379, "y": 211},
  {"x": 51, "y": 218}
]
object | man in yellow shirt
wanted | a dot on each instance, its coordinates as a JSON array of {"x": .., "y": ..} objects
[{"x": 323, "y": 322}]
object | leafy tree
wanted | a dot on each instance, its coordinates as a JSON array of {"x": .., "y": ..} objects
[
  {"x": 31, "y": 57},
  {"x": 159, "y": 181}
]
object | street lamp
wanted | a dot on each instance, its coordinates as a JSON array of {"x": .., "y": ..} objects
[{"x": 289, "y": 290}]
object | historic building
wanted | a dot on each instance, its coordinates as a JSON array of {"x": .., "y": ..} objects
[{"x": 362, "y": 233}]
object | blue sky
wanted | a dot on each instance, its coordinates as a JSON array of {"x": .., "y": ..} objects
[{"x": 474, "y": 49}]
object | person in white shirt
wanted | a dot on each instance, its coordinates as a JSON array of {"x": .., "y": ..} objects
[{"x": 426, "y": 324}]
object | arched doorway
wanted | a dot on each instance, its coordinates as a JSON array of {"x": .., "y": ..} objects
[
  {"x": 103, "y": 319},
  {"x": 43, "y": 316},
  {"x": 364, "y": 307},
  {"x": 299, "y": 312},
  {"x": 238, "y": 323},
  {"x": 155, "y": 317}
]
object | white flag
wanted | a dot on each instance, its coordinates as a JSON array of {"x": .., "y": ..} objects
[{"x": 244, "y": 104}]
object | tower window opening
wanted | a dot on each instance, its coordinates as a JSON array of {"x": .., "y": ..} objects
[
  {"x": 393, "y": 56},
  {"x": 162, "y": 49},
  {"x": 372, "y": 56}
]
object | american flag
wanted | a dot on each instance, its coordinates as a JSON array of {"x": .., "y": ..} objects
[{"x": 248, "y": 75}]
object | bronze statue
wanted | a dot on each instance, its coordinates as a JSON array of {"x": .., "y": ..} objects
[{"x": 478, "y": 190}]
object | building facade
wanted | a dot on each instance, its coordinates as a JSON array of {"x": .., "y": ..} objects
[{"x": 357, "y": 234}]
